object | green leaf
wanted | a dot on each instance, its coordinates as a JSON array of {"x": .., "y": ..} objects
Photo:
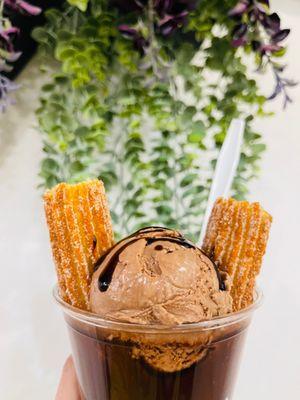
[
  {"x": 193, "y": 191},
  {"x": 53, "y": 15},
  {"x": 48, "y": 87},
  {"x": 64, "y": 53},
  {"x": 60, "y": 79},
  {"x": 81, "y": 4},
  {"x": 198, "y": 132},
  {"x": 164, "y": 150},
  {"x": 40, "y": 35},
  {"x": 51, "y": 181},
  {"x": 76, "y": 167},
  {"x": 114, "y": 216},
  {"x": 168, "y": 171},
  {"x": 188, "y": 179},
  {"x": 82, "y": 131},
  {"x": 188, "y": 114},
  {"x": 64, "y": 35},
  {"x": 164, "y": 210},
  {"x": 130, "y": 205},
  {"x": 279, "y": 53},
  {"x": 49, "y": 165},
  {"x": 258, "y": 148}
]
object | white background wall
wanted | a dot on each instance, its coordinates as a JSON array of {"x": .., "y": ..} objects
[{"x": 33, "y": 340}]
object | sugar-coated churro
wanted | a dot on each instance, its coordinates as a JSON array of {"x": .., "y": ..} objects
[
  {"x": 236, "y": 240},
  {"x": 80, "y": 232}
]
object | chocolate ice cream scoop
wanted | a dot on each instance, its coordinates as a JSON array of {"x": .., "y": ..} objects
[{"x": 157, "y": 276}]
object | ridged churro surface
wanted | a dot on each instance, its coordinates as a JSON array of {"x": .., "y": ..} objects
[
  {"x": 80, "y": 231},
  {"x": 236, "y": 241}
]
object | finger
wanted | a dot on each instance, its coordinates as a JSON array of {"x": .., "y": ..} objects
[{"x": 68, "y": 388}]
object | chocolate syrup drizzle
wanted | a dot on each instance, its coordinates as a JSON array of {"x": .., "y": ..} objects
[
  {"x": 106, "y": 275},
  {"x": 181, "y": 241}
]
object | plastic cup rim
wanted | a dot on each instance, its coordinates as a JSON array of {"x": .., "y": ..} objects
[{"x": 95, "y": 320}]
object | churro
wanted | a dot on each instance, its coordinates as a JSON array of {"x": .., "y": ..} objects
[
  {"x": 80, "y": 232},
  {"x": 236, "y": 240}
]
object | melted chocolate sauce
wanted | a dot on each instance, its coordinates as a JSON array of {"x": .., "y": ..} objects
[
  {"x": 221, "y": 283},
  {"x": 148, "y": 229},
  {"x": 107, "y": 274},
  {"x": 181, "y": 241}
]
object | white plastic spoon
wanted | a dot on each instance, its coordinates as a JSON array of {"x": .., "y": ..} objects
[{"x": 227, "y": 163}]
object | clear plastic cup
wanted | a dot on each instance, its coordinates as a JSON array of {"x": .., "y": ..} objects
[{"x": 121, "y": 361}]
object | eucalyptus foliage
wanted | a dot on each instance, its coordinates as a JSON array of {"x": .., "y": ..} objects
[{"x": 142, "y": 97}]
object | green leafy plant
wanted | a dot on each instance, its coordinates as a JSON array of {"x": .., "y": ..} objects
[{"x": 142, "y": 97}]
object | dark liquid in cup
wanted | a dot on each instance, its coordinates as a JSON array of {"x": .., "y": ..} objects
[{"x": 107, "y": 371}]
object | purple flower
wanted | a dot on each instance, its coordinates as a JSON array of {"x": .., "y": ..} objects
[
  {"x": 257, "y": 14},
  {"x": 266, "y": 2},
  {"x": 9, "y": 31},
  {"x": 140, "y": 43},
  {"x": 6, "y": 87},
  {"x": 239, "y": 42},
  {"x": 7, "y": 52},
  {"x": 271, "y": 23},
  {"x": 174, "y": 8},
  {"x": 280, "y": 35},
  {"x": 169, "y": 23},
  {"x": 239, "y": 9},
  {"x": 239, "y": 31},
  {"x": 239, "y": 35},
  {"x": 21, "y": 5},
  {"x": 30, "y": 9},
  {"x": 127, "y": 31},
  {"x": 168, "y": 16},
  {"x": 281, "y": 86},
  {"x": 5, "y": 37},
  {"x": 260, "y": 8},
  {"x": 163, "y": 7},
  {"x": 10, "y": 56},
  {"x": 269, "y": 48}
]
